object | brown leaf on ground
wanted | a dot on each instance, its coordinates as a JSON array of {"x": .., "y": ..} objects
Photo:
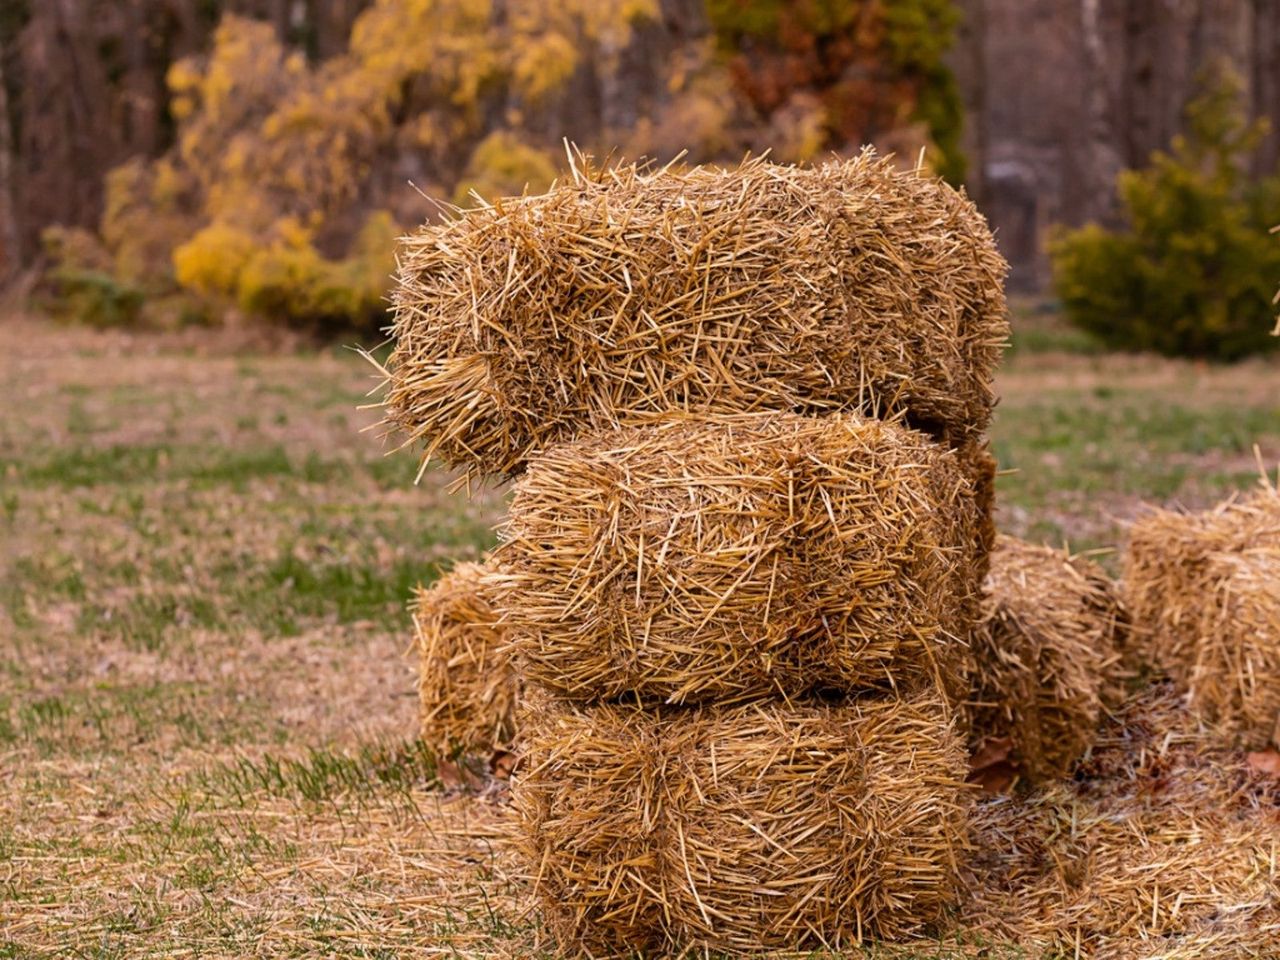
[
  {"x": 990, "y": 767},
  {"x": 449, "y": 774},
  {"x": 503, "y": 764},
  {"x": 1265, "y": 762}
]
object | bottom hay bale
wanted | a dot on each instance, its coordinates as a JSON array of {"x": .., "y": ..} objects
[
  {"x": 467, "y": 684},
  {"x": 1042, "y": 655},
  {"x": 1234, "y": 680},
  {"x": 741, "y": 828},
  {"x": 1165, "y": 845}
]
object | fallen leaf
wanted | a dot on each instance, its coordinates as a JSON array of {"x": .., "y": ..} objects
[
  {"x": 449, "y": 774},
  {"x": 990, "y": 751},
  {"x": 503, "y": 764},
  {"x": 996, "y": 778},
  {"x": 990, "y": 767},
  {"x": 1265, "y": 762}
]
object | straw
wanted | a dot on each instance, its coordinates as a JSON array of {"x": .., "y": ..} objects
[
  {"x": 737, "y": 557},
  {"x": 625, "y": 292}
]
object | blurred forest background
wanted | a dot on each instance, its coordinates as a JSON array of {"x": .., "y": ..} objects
[{"x": 173, "y": 161}]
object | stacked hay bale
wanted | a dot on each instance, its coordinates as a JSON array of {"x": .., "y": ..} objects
[
  {"x": 741, "y": 828},
  {"x": 1048, "y": 644},
  {"x": 730, "y": 558},
  {"x": 742, "y": 565},
  {"x": 1204, "y": 589}
]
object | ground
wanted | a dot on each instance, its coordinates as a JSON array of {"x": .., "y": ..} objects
[{"x": 206, "y": 712}]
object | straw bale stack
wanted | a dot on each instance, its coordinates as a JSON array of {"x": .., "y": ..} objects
[
  {"x": 1234, "y": 681},
  {"x": 741, "y": 828},
  {"x": 1200, "y": 588},
  {"x": 624, "y": 293},
  {"x": 738, "y": 557},
  {"x": 1043, "y": 653},
  {"x": 467, "y": 683},
  {"x": 1165, "y": 846}
]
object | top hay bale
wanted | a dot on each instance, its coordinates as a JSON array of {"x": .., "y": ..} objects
[{"x": 623, "y": 293}]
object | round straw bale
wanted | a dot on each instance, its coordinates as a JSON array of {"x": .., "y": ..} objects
[
  {"x": 1167, "y": 577},
  {"x": 467, "y": 684},
  {"x": 1042, "y": 655},
  {"x": 624, "y": 292},
  {"x": 1233, "y": 682},
  {"x": 692, "y": 560},
  {"x": 741, "y": 828}
]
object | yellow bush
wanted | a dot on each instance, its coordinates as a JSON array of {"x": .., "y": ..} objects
[
  {"x": 143, "y": 219},
  {"x": 291, "y": 282},
  {"x": 212, "y": 261},
  {"x": 501, "y": 166}
]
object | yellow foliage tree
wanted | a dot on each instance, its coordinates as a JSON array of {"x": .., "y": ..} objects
[
  {"x": 500, "y": 166},
  {"x": 270, "y": 174}
]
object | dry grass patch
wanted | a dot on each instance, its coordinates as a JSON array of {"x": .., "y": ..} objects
[{"x": 1166, "y": 844}]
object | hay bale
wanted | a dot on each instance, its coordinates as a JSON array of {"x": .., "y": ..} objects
[
  {"x": 1174, "y": 576},
  {"x": 741, "y": 828},
  {"x": 1042, "y": 655},
  {"x": 1165, "y": 569},
  {"x": 692, "y": 560},
  {"x": 621, "y": 293},
  {"x": 979, "y": 465},
  {"x": 1233, "y": 683},
  {"x": 467, "y": 683}
]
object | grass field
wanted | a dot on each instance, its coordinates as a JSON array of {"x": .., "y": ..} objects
[{"x": 206, "y": 714}]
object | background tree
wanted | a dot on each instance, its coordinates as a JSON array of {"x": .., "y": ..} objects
[{"x": 1194, "y": 269}]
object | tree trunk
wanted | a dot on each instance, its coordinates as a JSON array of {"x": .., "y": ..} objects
[{"x": 11, "y": 253}]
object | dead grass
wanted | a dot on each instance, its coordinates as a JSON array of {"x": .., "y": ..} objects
[{"x": 205, "y": 708}]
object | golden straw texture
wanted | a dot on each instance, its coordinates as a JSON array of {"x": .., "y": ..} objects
[
  {"x": 1173, "y": 581},
  {"x": 1164, "y": 846},
  {"x": 1166, "y": 565},
  {"x": 1042, "y": 655},
  {"x": 624, "y": 292},
  {"x": 1234, "y": 681},
  {"x": 686, "y": 561},
  {"x": 741, "y": 828},
  {"x": 467, "y": 683}
]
